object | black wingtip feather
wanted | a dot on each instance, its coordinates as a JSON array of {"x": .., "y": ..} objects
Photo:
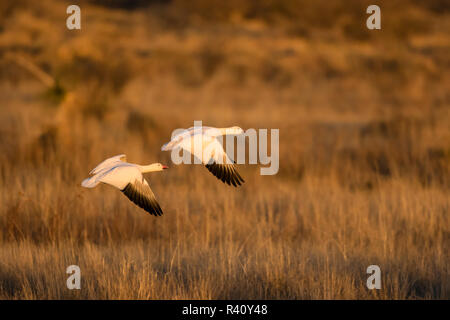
[
  {"x": 227, "y": 173},
  {"x": 149, "y": 205}
]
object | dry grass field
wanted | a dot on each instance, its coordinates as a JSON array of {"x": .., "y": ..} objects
[{"x": 364, "y": 119}]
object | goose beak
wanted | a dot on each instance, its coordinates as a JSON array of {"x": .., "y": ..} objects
[{"x": 165, "y": 167}]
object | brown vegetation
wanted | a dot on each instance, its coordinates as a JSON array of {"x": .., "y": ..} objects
[{"x": 364, "y": 149}]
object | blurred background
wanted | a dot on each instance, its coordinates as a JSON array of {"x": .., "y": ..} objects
[{"x": 364, "y": 148}]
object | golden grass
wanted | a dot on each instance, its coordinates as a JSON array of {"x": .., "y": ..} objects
[{"x": 364, "y": 151}]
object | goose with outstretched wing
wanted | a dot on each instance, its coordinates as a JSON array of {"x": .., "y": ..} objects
[
  {"x": 128, "y": 178},
  {"x": 211, "y": 153}
]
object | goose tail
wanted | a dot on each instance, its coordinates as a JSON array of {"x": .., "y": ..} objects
[
  {"x": 166, "y": 147},
  {"x": 89, "y": 183}
]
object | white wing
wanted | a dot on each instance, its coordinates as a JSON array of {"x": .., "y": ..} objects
[
  {"x": 214, "y": 157},
  {"x": 108, "y": 163},
  {"x": 117, "y": 174},
  {"x": 179, "y": 138},
  {"x": 220, "y": 165},
  {"x": 187, "y": 134}
]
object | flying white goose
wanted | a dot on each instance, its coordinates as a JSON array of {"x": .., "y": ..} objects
[
  {"x": 128, "y": 178},
  {"x": 211, "y": 153}
]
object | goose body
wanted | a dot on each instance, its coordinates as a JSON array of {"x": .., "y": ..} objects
[
  {"x": 128, "y": 178},
  {"x": 212, "y": 154}
]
